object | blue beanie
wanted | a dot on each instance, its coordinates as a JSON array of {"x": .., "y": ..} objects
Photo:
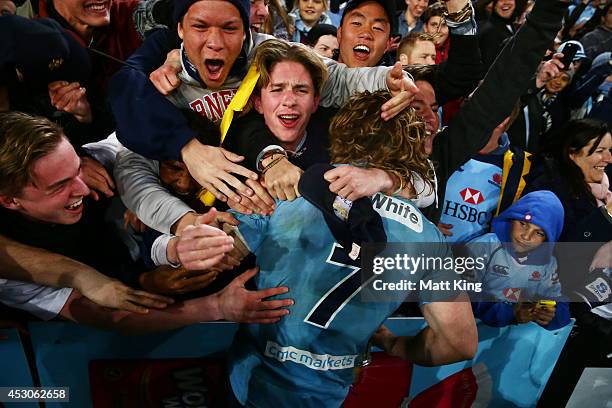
[{"x": 243, "y": 6}]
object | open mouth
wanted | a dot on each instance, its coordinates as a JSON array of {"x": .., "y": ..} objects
[
  {"x": 76, "y": 206},
  {"x": 256, "y": 26},
  {"x": 361, "y": 52},
  {"x": 288, "y": 120},
  {"x": 214, "y": 68},
  {"x": 97, "y": 7}
]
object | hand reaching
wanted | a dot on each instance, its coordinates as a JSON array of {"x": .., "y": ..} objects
[{"x": 240, "y": 305}]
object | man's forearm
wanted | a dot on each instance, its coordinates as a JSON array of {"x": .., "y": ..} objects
[
  {"x": 31, "y": 264},
  {"x": 343, "y": 82},
  {"x": 82, "y": 310}
]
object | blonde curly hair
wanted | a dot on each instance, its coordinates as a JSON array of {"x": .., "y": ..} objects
[{"x": 359, "y": 136}]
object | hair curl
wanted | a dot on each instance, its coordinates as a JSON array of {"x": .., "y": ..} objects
[{"x": 359, "y": 136}]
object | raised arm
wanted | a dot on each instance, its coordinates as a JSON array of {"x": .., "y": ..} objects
[{"x": 507, "y": 79}]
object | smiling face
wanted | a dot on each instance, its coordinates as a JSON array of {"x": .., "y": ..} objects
[
  {"x": 287, "y": 102},
  {"x": 558, "y": 83},
  {"x": 212, "y": 34},
  {"x": 593, "y": 165},
  {"x": 416, "y": 7},
  {"x": 84, "y": 15},
  {"x": 311, "y": 10},
  {"x": 364, "y": 35},
  {"x": 56, "y": 191},
  {"x": 526, "y": 236},
  {"x": 504, "y": 8},
  {"x": 437, "y": 27},
  {"x": 259, "y": 13}
]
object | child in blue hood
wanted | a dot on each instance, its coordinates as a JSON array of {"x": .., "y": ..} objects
[{"x": 519, "y": 268}]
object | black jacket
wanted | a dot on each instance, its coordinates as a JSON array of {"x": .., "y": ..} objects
[
  {"x": 493, "y": 33},
  {"x": 506, "y": 80},
  {"x": 577, "y": 206}
]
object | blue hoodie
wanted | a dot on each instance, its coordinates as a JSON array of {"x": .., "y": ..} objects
[{"x": 509, "y": 276}]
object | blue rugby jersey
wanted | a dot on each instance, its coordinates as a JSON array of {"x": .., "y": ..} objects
[
  {"x": 307, "y": 359},
  {"x": 471, "y": 198}
]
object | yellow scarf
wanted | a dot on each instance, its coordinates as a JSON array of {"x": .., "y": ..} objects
[{"x": 237, "y": 104}]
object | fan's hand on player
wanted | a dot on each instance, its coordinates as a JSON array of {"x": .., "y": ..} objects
[
  {"x": 199, "y": 247},
  {"x": 281, "y": 180},
  {"x": 403, "y": 90},
  {"x": 212, "y": 168},
  {"x": 261, "y": 202},
  {"x": 238, "y": 304},
  {"x": 353, "y": 183}
]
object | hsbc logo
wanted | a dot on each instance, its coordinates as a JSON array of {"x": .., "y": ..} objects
[{"x": 471, "y": 196}]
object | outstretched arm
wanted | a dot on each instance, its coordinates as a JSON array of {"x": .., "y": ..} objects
[
  {"x": 24, "y": 263},
  {"x": 234, "y": 303}
]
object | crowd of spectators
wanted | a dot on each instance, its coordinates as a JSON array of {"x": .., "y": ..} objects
[{"x": 137, "y": 136}]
